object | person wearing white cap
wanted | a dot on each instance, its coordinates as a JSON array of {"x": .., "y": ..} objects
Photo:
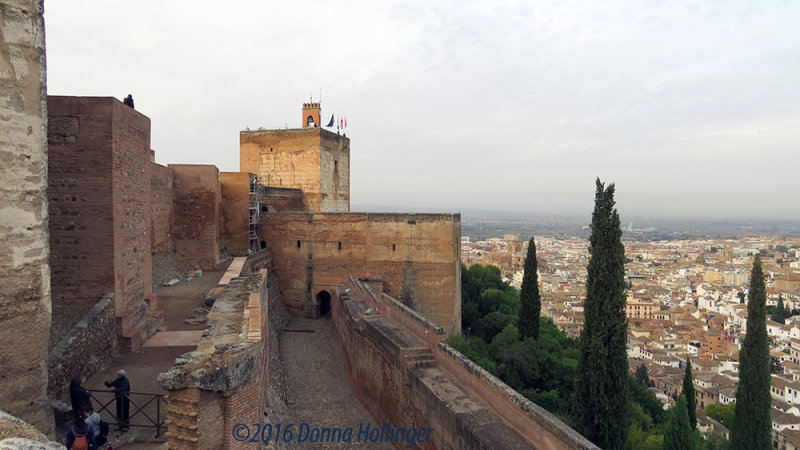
[{"x": 122, "y": 388}]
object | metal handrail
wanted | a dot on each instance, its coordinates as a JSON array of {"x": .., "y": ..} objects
[{"x": 146, "y": 397}]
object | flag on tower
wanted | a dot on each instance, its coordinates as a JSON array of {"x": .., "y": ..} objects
[{"x": 330, "y": 124}]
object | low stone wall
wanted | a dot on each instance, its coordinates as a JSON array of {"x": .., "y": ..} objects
[
  {"x": 17, "y": 434},
  {"x": 404, "y": 373},
  {"x": 220, "y": 381},
  {"x": 261, "y": 259},
  {"x": 83, "y": 351}
]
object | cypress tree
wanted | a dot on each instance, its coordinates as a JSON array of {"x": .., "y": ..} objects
[
  {"x": 601, "y": 393},
  {"x": 688, "y": 389},
  {"x": 530, "y": 300},
  {"x": 679, "y": 433},
  {"x": 752, "y": 424},
  {"x": 642, "y": 375}
]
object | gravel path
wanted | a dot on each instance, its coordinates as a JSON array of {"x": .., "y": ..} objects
[{"x": 318, "y": 392}]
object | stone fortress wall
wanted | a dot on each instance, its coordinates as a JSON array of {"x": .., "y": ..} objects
[{"x": 24, "y": 243}]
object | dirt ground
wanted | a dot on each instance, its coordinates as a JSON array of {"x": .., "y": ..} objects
[{"x": 178, "y": 302}]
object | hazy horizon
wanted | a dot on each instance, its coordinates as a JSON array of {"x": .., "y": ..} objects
[{"x": 691, "y": 108}]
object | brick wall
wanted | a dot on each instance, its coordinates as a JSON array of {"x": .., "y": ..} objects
[
  {"x": 235, "y": 212},
  {"x": 196, "y": 217},
  {"x": 81, "y": 199},
  {"x": 417, "y": 255},
  {"x": 130, "y": 161},
  {"x": 24, "y": 268},
  {"x": 100, "y": 210},
  {"x": 161, "y": 201}
]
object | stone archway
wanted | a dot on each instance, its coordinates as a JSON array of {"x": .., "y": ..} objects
[{"x": 324, "y": 304}]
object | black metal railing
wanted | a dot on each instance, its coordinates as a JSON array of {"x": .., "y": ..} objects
[{"x": 149, "y": 409}]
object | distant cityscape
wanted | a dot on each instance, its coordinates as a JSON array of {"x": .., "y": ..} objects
[{"x": 686, "y": 298}]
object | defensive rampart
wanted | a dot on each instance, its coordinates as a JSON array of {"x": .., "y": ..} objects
[
  {"x": 406, "y": 375},
  {"x": 225, "y": 381}
]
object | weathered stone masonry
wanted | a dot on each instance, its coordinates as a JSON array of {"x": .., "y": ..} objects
[
  {"x": 24, "y": 268},
  {"x": 417, "y": 256}
]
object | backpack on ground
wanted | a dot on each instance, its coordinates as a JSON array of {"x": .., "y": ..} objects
[{"x": 80, "y": 442}]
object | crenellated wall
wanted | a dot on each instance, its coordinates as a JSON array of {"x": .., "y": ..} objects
[
  {"x": 403, "y": 373},
  {"x": 24, "y": 268},
  {"x": 416, "y": 255}
]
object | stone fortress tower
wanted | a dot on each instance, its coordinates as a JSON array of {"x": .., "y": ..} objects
[{"x": 311, "y": 159}]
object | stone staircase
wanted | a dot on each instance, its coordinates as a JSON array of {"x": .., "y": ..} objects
[{"x": 137, "y": 324}]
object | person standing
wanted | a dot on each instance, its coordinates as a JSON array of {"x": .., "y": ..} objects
[
  {"x": 79, "y": 397},
  {"x": 122, "y": 388}
]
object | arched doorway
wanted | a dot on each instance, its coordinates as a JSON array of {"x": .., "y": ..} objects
[
  {"x": 324, "y": 303},
  {"x": 263, "y": 245}
]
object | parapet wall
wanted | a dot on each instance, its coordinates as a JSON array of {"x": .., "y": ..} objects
[
  {"x": 83, "y": 350},
  {"x": 416, "y": 255},
  {"x": 24, "y": 267},
  {"x": 224, "y": 381},
  {"x": 402, "y": 372}
]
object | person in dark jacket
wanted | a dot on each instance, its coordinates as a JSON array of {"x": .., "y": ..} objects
[
  {"x": 79, "y": 396},
  {"x": 128, "y": 101},
  {"x": 122, "y": 387}
]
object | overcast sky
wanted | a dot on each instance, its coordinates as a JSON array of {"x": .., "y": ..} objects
[{"x": 692, "y": 108}]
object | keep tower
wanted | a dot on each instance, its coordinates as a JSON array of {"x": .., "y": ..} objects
[{"x": 310, "y": 158}]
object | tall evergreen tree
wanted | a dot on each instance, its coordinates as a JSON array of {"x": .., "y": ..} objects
[
  {"x": 781, "y": 312},
  {"x": 642, "y": 375},
  {"x": 679, "y": 433},
  {"x": 530, "y": 300},
  {"x": 752, "y": 424},
  {"x": 601, "y": 393},
  {"x": 688, "y": 390}
]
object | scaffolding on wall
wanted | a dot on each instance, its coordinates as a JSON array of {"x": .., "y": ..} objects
[{"x": 255, "y": 211}]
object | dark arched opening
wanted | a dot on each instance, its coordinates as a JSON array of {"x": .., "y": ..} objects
[
  {"x": 263, "y": 245},
  {"x": 324, "y": 302},
  {"x": 264, "y": 209}
]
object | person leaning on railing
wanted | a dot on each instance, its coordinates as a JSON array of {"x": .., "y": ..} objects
[{"x": 122, "y": 387}]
